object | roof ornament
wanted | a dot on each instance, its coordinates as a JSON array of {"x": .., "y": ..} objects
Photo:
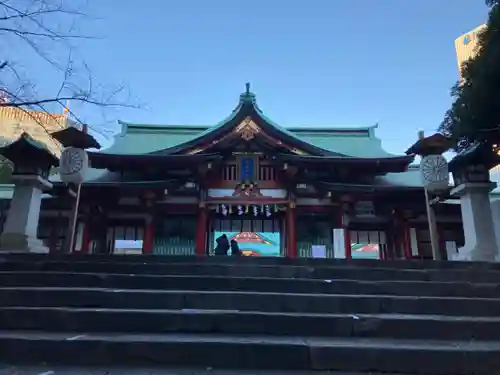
[
  {"x": 247, "y": 129},
  {"x": 247, "y": 97}
]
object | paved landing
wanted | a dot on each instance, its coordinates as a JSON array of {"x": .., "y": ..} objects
[{"x": 45, "y": 370}]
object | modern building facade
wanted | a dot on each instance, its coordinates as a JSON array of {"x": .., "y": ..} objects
[
  {"x": 295, "y": 192},
  {"x": 466, "y": 46},
  {"x": 15, "y": 121}
]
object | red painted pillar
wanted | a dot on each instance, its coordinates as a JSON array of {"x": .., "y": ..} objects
[
  {"x": 85, "y": 238},
  {"x": 291, "y": 231},
  {"x": 407, "y": 241},
  {"x": 347, "y": 234},
  {"x": 149, "y": 236},
  {"x": 201, "y": 231},
  {"x": 347, "y": 243}
]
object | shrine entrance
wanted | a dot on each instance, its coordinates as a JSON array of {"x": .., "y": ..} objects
[{"x": 256, "y": 236}]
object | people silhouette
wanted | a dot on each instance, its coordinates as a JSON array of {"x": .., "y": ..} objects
[{"x": 222, "y": 247}]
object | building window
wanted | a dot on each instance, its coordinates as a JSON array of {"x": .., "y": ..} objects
[
  {"x": 127, "y": 235},
  {"x": 267, "y": 173},
  {"x": 230, "y": 173}
]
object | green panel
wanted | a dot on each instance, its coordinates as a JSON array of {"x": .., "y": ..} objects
[
  {"x": 175, "y": 235},
  {"x": 173, "y": 246}
]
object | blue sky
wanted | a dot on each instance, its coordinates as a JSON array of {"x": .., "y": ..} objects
[{"x": 315, "y": 62}]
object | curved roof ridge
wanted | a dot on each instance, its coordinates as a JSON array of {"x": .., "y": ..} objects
[
  {"x": 331, "y": 128},
  {"x": 126, "y": 126},
  {"x": 156, "y": 126}
]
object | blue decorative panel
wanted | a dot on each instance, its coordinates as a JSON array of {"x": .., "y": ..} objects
[{"x": 247, "y": 168}]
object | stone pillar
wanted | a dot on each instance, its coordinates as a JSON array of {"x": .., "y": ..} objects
[
  {"x": 495, "y": 210},
  {"x": 480, "y": 239},
  {"x": 20, "y": 230}
]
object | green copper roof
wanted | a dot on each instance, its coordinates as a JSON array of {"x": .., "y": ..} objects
[
  {"x": 140, "y": 139},
  {"x": 143, "y": 138}
]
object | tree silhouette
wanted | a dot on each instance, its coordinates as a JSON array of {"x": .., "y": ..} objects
[{"x": 475, "y": 113}]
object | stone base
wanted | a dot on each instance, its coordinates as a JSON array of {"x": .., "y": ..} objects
[
  {"x": 21, "y": 243},
  {"x": 476, "y": 254}
]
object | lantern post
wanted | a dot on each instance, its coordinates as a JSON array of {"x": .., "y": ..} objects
[
  {"x": 435, "y": 177},
  {"x": 73, "y": 168}
]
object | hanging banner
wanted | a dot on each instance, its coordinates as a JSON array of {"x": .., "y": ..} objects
[{"x": 247, "y": 168}]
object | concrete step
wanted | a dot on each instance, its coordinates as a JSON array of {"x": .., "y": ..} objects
[
  {"x": 253, "y": 352},
  {"x": 13, "y": 369},
  {"x": 397, "y": 326},
  {"x": 246, "y": 301},
  {"x": 366, "y": 263},
  {"x": 276, "y": 285},
  {"x": 249, "y": 269}
]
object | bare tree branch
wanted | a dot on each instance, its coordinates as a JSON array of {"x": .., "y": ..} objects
[{"x": 47, "y": 29}]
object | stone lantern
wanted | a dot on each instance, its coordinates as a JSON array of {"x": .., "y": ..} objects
[
  {"x": 471, "y": 177},
  {"x": 32, "y": 163}
]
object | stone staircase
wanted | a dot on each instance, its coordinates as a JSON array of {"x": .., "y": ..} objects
[{"x": 249, "y": 313}]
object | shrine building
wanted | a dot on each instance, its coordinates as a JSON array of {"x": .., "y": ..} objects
[{"x": 294, "y": 192}]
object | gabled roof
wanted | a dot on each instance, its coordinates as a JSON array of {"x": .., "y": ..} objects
[
  {"x": 166, "y": 139},
  {"x": 247, "y": 112}
]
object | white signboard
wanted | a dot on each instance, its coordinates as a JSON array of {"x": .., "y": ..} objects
[
  {"x": 339, "y": 243},
  {"x": 128, "y": 246},
  {"x": 318, "y": 251}
]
